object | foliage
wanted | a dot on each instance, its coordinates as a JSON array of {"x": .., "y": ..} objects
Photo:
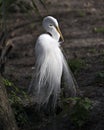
[
  {"x": 22, "y": 4},
  {"x": 6, "y": 4},
  {"x": 92, "y": 50},
  {"x": 81, "y": 13},
  {"x": 100, "y": 74},
  {"x": 98, "y": 29},
  {"x": 10, "y": 6},
  {"x": 80, "y": 111},
  {"x": 77, "y": 64},
  {"x": 7, "y": 7},
  {"x": 100, "y": 77},
  {"x": 16, "y": 97}
]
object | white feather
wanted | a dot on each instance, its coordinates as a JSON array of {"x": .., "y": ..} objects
[{"x": 49, "y": 68}]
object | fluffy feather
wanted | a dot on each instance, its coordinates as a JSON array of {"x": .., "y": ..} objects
[{"x": 49, "y": 68}]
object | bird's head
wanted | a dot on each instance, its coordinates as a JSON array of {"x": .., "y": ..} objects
[{"x": 50, "y": 24}]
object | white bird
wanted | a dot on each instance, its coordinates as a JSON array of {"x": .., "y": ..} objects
[{"x": 50, "y": 66}]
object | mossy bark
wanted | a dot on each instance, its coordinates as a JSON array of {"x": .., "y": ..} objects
[{"x": 7, "y": 119}]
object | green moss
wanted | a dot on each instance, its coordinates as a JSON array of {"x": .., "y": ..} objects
[{"x": 16, "y": 97}]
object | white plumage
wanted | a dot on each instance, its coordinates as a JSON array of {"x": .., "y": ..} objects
[{"x": 50, "y": 66}]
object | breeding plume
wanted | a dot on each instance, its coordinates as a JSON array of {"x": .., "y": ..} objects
[{"x": 50, "y": 66}]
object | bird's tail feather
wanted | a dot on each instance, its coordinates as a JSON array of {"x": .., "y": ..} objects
[
  {"x": 70, "y": 84},
  {"x": 46, "y": 80}
]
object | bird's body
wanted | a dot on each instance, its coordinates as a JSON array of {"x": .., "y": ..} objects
[{"x": 50, "y": 66}]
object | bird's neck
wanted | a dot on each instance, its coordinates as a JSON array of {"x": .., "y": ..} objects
[{"x": 55, "y": 35}]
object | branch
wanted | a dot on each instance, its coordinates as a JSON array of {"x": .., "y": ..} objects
[{"x": 4, "y": 53}]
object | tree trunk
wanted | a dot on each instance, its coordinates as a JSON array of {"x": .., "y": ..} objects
[{"x": 7, "y": 120}]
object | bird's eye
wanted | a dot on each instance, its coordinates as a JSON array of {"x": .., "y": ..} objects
[{"x": 50, "y": 25}]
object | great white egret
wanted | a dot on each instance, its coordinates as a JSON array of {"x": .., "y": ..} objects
[{"x": 50, "y": 66}]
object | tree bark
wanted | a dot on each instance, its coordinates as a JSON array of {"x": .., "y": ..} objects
[{"x": 7, "y": 119}]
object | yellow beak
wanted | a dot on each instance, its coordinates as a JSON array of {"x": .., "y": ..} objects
[{"x": 58, "y": 30}]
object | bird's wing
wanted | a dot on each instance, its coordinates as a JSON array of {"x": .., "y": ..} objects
[
  {"x": 47, "y": 76},
  {"x": 70, "y": 84}
]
